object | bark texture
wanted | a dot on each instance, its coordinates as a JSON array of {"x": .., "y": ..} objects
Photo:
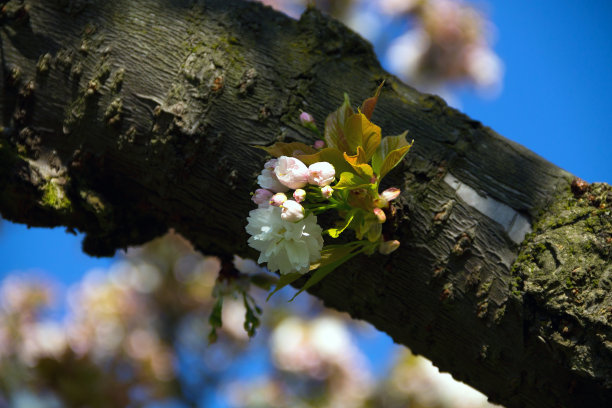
[{"x": 123, "y": 119}]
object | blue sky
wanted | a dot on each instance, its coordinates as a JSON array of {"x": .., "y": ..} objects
[
  {"x": 557, "y": 92},
  {"x": 556, "y": 100}
]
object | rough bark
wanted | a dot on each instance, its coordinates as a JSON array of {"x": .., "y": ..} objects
[{"x": 123, "y": 119}]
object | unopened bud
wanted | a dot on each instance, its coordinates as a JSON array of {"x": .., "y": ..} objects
[
  {"x": 262, "y": 197},
  {"x": 299, "y": 195},
  {"x": 327, "y": 191},
  {"x": 319, "y": 144},
  {"x": 292, "y": 211},
  {"x": 390, "y": 194},
  {"x": 380, "y": 214},
  {"x": 306, "y": 119},
  {"x": 278, "y": 199},
  {"x": 387, "y": 247}
]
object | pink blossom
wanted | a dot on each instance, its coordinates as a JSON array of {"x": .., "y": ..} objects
[
  {"x": 261, "y": 197},
  {"x": 291, "y": 172},
  {"x": 390, "y": 194},
  {"x": 271, "y": 164},
  {"x": 292, "y": 211},
  {"x": 380, "y": 214},
  {"x": 321, "y": 174},
  {"x": 299, "y": 195},
  {"x": 319, "y": 144},
  {"x": 278, "y": 199},
  {"x": 306, "y": 118},
  {"x": 268, "y": 180},
  {"x": 327, "y": 191}
]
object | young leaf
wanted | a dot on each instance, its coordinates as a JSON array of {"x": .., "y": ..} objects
[
  {"x": 251, "y": 318},
  {"x": 326, "y": 270},
  {"x": 330, "y": 155},
  {"x": 284, "y": 281},
  {"x": 350, "y": 180},
  {"x": 353, "y": 132},
  {"x": 367, "y": 107},
  {"x": 292, "y": 149},
  {"x": 371, "y": 136},
  {"x": 215, "y": 320},
  {"x": 335, "y": 232},
  {"x": 363, "y": 170},
  {"x": 334, "y": 126},
  {"x": 358, "y": 158},
  {"x": 391, "y": 151}
]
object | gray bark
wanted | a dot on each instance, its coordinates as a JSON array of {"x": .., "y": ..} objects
[{"x": 123, "y": 119}]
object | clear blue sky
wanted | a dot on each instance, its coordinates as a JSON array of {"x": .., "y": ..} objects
[{"x": 556, "y": 100}]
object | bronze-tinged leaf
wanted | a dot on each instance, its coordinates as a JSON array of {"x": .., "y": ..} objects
[
  {"x": 358, "y": 158},
  {"x": 334, "y": 126},
  {"x": 360, "y": 166},
  {"x": 390, "y": 144},
  {"x": 293, "y": 149},
  {"x": 367, "y": 107},
  {"x": 330, "y": 155},
  {"x": 353, "y": 132},
  {"x": 371, "y": 136}
]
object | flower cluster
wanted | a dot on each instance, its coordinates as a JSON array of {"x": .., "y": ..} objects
[
  {"x": 341, "y": 174},
  {"x": 287, "y": 238}
]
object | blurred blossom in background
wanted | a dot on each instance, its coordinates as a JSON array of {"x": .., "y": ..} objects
[
  {"x": 135, "y": 334},
  {"x": 436, "y": 46},
  {"x": 133, "y": 331}
]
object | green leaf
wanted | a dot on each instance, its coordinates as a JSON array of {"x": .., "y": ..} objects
[
  {"x": 279, "y": 149},
  {"x": 215, "y": 320},
  {"x": 330, "y": 155},
  {"x": 327, "y": 269},
  {"x": 363, "y": 170},
  {"x": 371, "y": 136},
  {"x": 284, "y": 281},
  {"x": 251, "y": 320},
  {"x": 350, "y": 180},
  {"x": 367, "y": 107},
  {"x": 263, "y": 280},
  {"x": 390, "y": 153},
  {"x": 335, "y": 232},
  {"x": 334, "y": 126},
  {"x": 353, "y": 132}
]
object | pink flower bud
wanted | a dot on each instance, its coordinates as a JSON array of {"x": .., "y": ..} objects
[
  {"x": 291, "y": 172},
  {"x": 380, "y": 214},
  {"x": 319, "y": 144},
  {"x": 292, "y": 211},
  {"x": 261, "y": 197},
  {"x": 299, "y": 195},
  {"x": 387, "y": 247},
  {"x": 321, "y": 174},
  {"x": 327, "y": 191},
  {"x": 306, "y": 118},
  {"x": 390, "y": 194},
  {"x": 278, "y": 199}
]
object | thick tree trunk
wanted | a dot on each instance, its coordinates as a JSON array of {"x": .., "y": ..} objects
[{"x": 125, "y": 118}]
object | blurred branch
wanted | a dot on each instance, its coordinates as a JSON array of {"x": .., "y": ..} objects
[{"x": 123, "y": 119}]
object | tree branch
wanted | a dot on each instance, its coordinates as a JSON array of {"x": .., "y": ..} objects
[{"x": 123, "y": 119}]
